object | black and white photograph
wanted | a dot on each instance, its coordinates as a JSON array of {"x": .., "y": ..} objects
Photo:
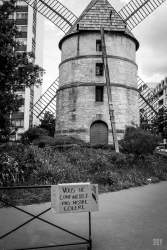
[{"x": 83, "y": 124}]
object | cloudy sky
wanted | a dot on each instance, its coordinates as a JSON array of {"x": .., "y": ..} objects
[{"x": 151, "y": 33}]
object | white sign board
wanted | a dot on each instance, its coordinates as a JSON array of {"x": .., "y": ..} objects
[{"x": 74, "y": 197}]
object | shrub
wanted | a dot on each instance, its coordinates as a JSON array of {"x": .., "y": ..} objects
[
  {"x": 17, "y": 164},
  {"x": 30, "y": 165},
  {"x": 44, "y": 140},
  {"x": 119, "y": 160},
  {"x": 33, "y": 134},
  {"x": 40, "y": 138},
  {"x": 66, "y": 140},
  {"x": 10, "y": 171},
  {"x": 138, "y": 141}
]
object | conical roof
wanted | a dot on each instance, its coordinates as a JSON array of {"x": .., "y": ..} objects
[{"x": 100, "y": 13}]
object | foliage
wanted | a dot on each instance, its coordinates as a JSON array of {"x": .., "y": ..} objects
[
  {"x": 160, "y": 123},
  {"x": 144, "y": 121},
  {"x": 31, "y": 165},
  {"x": 17, "y": 70},
  {"x": 138, "y": 141},
  {"x": 48, "y": 123},
  {"x": 16, "y": 165},
  {"x": 33, "y": 134},
  {"x": 39, "y": 136},
  {"x": 66, "y": 140},
  {"x": 9, "y": 170}
]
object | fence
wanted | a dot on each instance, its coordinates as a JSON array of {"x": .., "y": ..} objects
[{"x": 83, "y": 240}]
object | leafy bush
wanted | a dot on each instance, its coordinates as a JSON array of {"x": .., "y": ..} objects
[
  {"x": 33, "y": 134},
  {"x": 66, "y": 140},
  {"x": 30, "y": 165},
  {"x": 40, "y": 137},
  {"x": 61, "y": 142},
  {"x": 48, "y": 123},
  {"x": 44, "y": 140},
  {"x": 138, "y": 141},
  {"x": 17, "y": 164},
  {"x": 10, "y": 172}
]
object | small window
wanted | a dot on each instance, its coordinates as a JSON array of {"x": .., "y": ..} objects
[
  {"x": 18, "y": 123},
  {"x": 98, "y": 45},
  {"x": 21, "y": 15},
  {"x": 99, "y": 93},
  {"x": 99, "y": 69}
]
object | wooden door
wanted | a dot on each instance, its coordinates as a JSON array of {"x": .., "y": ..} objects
[{"x": 99, "y": 133}]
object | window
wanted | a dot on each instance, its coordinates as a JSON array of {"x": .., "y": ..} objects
[
  {"x": 98, "y": 45},
  {"x": 21, "y": 15},
  {"x": 99, "y": 69},
  {"x": 18, "y": 123},
  {"x": 99, "y": 93},
  {"x": 22, "y": 40},
  {"x": 21, "y": 3},
  {"x": 22, "y": 28}
]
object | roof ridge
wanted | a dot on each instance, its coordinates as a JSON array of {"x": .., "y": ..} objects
[
  {"x": 90, "y": 7},
  {"x": 84, "y": 12}
]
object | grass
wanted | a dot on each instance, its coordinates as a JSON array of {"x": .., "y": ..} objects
[{"x": 111, "y": 171}]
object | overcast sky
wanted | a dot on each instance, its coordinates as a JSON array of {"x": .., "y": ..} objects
[{"x": 151, "y": 34}]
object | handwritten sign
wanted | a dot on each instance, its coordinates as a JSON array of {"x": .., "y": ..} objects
[{"x": 74, "y": 197}]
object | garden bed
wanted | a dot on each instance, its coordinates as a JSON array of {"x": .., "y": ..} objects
[{"x": 30, "y": 165}]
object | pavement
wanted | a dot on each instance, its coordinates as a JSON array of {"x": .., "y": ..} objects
[{"x": 133, "y": 219}]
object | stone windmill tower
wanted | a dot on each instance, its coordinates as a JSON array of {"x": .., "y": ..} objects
[{"x": 82, "y": 104}]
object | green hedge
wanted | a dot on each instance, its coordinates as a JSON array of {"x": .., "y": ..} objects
[{"x": 139, "y": 142}]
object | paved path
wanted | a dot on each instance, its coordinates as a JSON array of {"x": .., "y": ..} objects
[{"x": 134, "y": 219}]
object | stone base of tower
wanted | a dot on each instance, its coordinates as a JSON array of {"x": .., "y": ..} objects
[
  {"x": 85, "y": 136},
  {"x": 79, "y": 115}
]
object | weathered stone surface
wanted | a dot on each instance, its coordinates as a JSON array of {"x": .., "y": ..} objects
[{"x": 116, "y": 44}]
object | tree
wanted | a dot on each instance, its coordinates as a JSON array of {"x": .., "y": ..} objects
[
  {"x": 48, "y": 123},
  {"x": 160, "y": 122},
  {"x": 17, "y": 70},
  {"x": 144, "y": 122}
]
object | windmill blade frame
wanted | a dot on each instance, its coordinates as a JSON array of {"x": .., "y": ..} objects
[
  {"x": 54, "y": 11},
  {"x": 135, "y": 12},
  {"x": 47, "y": 102},
  {"x": 147, "y": 102}
]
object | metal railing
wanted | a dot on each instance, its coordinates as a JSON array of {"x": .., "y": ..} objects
[{"x": 85, "y": 241}]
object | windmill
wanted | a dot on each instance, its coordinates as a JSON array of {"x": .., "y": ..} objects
[{"x": 132, "y": 14}]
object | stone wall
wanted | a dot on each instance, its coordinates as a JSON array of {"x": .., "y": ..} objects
[{"x": 76, "y": 105}]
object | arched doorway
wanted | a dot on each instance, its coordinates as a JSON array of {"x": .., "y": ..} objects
[{"x": 98, "y": 133}]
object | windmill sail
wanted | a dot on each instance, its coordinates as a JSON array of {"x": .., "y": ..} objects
[
  {"x": 135, "y": 12},
  {"x": 146, "y": 101},
  {"x": 47, "y": 102},
  {"x": 54, "y": 11}
]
